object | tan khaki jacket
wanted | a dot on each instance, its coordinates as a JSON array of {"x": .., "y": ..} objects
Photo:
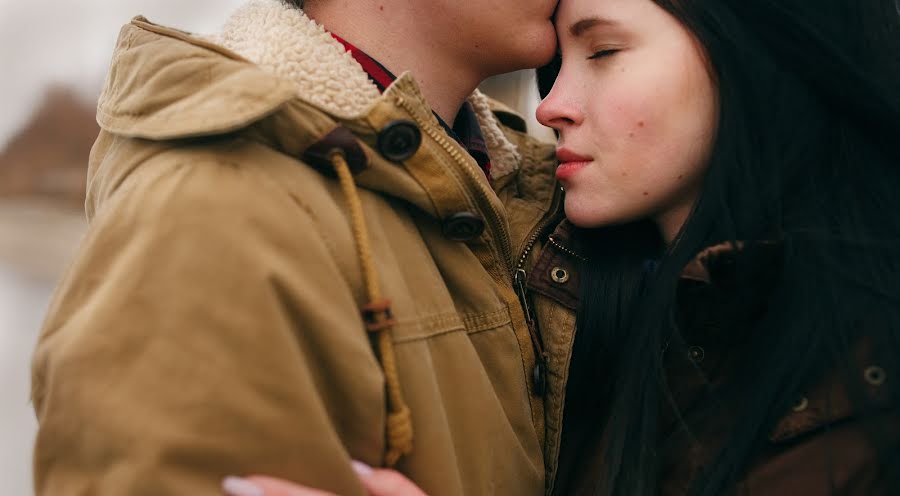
[{"x": 212, "y": 322}]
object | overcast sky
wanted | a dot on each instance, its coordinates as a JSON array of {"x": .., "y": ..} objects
[{"x": 43, "y": 42}]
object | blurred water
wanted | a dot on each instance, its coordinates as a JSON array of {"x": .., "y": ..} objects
[{"x": 36, "y": 241}]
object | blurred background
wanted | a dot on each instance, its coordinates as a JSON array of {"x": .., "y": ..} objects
[{"x": 54, "y": 57}]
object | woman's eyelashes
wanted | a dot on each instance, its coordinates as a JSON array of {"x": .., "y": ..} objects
[{"x": 601, "y": 54}]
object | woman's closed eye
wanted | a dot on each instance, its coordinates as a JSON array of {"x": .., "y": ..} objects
[{"x": 601, "y": 54}]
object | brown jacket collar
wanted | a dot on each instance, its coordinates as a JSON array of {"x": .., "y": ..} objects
[{"x": 711, "y": 267}]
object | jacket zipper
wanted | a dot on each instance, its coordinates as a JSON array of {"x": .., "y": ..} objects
[
  {"x": 539, "y": 374},
  {"x": 453, "y": 151},
  {"x": 565, "y": 250},
  {"x": 517, "y": 273},
  {"x": 539, "y": 231}
]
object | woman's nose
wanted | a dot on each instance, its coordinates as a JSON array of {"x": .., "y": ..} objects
[{"x": 558, "y": 110}]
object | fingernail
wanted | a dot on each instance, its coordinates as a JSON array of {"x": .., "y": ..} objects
[
  {"x": 361, "y": 469},
  {"x": 236, "y": 486}
]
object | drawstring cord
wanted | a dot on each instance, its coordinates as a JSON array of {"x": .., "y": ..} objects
[{"x": 378, "y": 317}]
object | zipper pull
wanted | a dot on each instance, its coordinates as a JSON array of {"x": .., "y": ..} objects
[
  {"x": 520, "y": 278},
  {"x": 539, "y": 374}
]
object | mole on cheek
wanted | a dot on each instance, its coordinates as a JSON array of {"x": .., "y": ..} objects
[
  {"x": 640, "y": 123},
  {"x": 646, "y": 193}
]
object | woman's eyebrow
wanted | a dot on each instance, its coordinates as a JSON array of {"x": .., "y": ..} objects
[{"x": 580, "y": 27}]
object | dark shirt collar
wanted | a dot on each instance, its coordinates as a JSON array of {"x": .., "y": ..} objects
[{"x": 466, "y": 130}]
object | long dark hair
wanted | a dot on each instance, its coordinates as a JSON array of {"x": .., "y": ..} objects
[{"x": 807, "y": 154}]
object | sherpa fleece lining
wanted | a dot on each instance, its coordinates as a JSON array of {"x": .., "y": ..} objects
[{"x": 284, "y": 41}]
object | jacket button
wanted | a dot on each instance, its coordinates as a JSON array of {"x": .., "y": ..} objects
[
  {"x": 559, "y": 275},
  {"x": 801, "y": 405},
  {"x": 696, "y": 354},
  {"x": 464, "y": 226},
  {"x": 399, "y": 140},
  {"x": 875, "y": 375}
]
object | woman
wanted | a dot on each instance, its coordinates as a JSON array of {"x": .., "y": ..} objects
[
  {"x": 731, "y": 167},
  {"x": 734, "y": 164}
]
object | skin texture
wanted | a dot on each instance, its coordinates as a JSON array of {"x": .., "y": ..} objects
[
  {"x": 642, "y": 113},
  {"x": 448, "y": 45}
]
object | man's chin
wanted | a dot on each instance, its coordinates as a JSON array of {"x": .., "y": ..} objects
[
  {"x": 543, "y": 51},
  {"x": 545, "y": 45},
  {"x": 537, "y": 50}
]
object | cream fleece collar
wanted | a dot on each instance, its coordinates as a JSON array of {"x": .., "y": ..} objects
[{"x": 282, "y": 40}]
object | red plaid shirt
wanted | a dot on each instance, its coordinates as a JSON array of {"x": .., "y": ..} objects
[{"x": 466, "y": 130}]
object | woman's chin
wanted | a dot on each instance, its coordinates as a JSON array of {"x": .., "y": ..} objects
[
  {"x": 584, "y": 216},
  {"x": 590, "y": 215}
]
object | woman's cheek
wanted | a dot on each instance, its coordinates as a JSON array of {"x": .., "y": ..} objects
[
  {"x": 630, "y": 148},
  {"x": 625, "y": 118}
]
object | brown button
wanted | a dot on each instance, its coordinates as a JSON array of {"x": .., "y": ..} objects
[
  {"x": 339, "y": 140},
  {"x": 875, "y": 375},
  {"x": 801, "y": 405},
  {"x": 697, "y": 354},
  {"x": 464, "y": 226},
  {"x": 559, "y": 275},
  {"x": 399, "y": 140}
]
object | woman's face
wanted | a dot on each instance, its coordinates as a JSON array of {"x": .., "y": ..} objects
[{"x": 636, "y": 110}]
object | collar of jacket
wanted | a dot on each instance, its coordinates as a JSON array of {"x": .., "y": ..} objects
[
  {"x": 710, "y": 272},
  {"x": 290, "y": 57}
]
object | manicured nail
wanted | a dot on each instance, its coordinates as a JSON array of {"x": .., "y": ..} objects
[
  {"x": 362, "y": 469},
  {"x": 236, "y": 486}
]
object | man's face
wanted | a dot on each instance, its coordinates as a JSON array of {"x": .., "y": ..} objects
[{"x": 495, "y": 35}]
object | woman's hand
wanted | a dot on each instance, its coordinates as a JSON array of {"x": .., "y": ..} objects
[{"x": 378, "y": 482}]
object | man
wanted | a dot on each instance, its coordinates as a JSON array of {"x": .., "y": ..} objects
[{"x": 296, "y": 259}]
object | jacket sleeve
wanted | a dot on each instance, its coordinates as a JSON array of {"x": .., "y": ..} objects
[{"x": 205, "y": 329}]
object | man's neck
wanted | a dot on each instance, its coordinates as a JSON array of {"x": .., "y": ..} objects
[{"x": 397, "y": 41}]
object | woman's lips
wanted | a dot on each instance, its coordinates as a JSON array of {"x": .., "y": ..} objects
[
  {"x": 568, "y": 169},
  {"x": 570, "y": 163}
]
